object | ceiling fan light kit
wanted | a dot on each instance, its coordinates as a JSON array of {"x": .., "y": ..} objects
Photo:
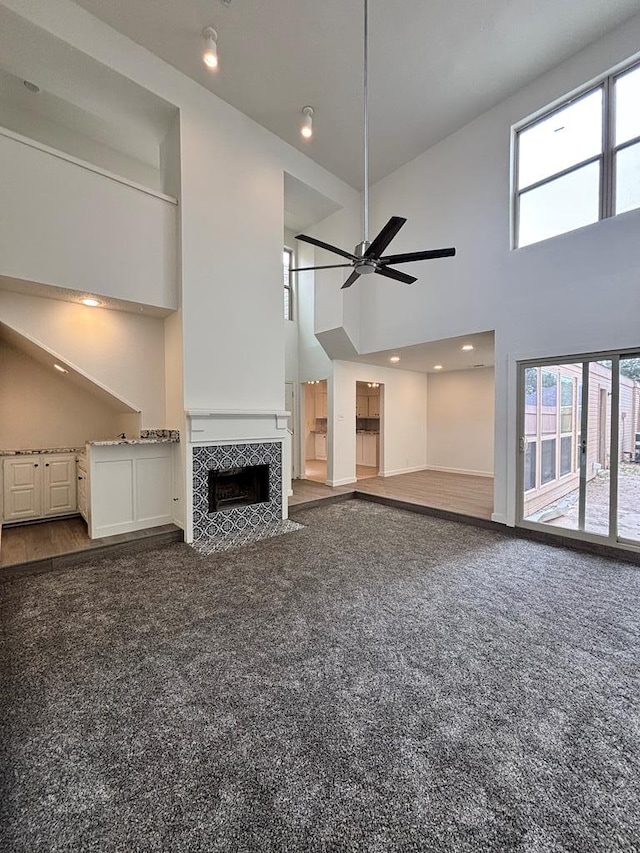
[{"x": 367, "y": 256}]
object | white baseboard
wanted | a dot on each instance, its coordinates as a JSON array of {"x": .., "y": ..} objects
[
  {"x": 468, "y": 471},
  {"x": 346, "y": 482},
  {"x": 397, "y": 471},
  {"x": 499, "y": 517}
]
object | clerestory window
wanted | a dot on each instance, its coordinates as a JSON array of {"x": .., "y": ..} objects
[{"x": 579, "y": 162}]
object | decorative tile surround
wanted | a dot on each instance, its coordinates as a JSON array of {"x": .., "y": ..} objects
[{"x": 242, "y": 522}]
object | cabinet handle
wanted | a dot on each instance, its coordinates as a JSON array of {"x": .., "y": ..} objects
[
  {"x": 35, "y": 464},
  {"x": 80, "y": 478},
  {"x": 46, "y": 464}
]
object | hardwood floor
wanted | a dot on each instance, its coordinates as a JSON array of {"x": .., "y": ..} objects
[
  {"x": 316, "y": 470},
  {"x": 43, "y": 540},
  {"x": 460, "y": 493}
]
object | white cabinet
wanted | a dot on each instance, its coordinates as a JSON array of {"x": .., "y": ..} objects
[
  {"x": 22, "y": 488},
  {"x": 321, "y": 404},
  {"x": 83, "y": 488},
  {"x": 367, "y": 406},
  {"x": 367, "y": 449},
  {"x": 39, "y": 485},
  {"x": 59, "y": 484},
  {"x": 321, "y": 445},
  {"x": 130, "y": 487}
]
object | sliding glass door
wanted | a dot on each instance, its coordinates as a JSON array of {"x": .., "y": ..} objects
[
  {"x": 579, "y": 468},
  {"x": 628, "y": 497}
]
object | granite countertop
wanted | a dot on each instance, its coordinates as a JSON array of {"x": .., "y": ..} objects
[
  {"x": 149, "y": 436},
  {"x": 116, "y": 441},
  {"x": 31, "y": 452}
]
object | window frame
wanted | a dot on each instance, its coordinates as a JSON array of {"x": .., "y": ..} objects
[
  {"x": 607, "y": 158},
  {"x": 288, "y": 287}
]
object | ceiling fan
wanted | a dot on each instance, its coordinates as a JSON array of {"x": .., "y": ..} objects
[{"x": 367, "y": 256}]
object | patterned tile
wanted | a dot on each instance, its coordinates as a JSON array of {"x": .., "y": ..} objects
[
  {"x": 237, "y": 520},
  {"x": 238, "y": 539}
]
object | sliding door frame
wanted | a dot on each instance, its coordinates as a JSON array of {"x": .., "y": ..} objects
[{"x": 585, "y": 358}]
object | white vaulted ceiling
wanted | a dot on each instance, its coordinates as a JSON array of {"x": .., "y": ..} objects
[{"x": 434, "y": 65}]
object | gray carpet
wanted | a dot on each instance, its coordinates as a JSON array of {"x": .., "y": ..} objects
[{"x": 377, "y": 681}]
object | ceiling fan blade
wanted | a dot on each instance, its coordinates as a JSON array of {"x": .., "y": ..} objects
[
  {"x": 407, "y": 257},
  {"x": 383, "y": 239},
  {"x": 396, "y": 275},
  {"x": 351, "y": 280},
  {"x": 325, "y": 246},
  {"x": 327, "y": 267}
]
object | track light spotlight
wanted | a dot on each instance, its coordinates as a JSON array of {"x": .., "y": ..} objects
[
  {"x": 210, "y": 55},
  {"x": 307, "y": 123}
]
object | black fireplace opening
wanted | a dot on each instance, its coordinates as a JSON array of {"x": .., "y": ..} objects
[{"x": 232, "y": 487}]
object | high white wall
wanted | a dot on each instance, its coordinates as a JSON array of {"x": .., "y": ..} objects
[
  {"x": 460, "y": 421},
  {"x": 403, "y": 420},
  {"x": 123, "y": 352},
  {"x": 39, "y": 408},
  {"x": 571, "y": 294},
  {"x": 232, "y": 220},
  {"x": 67, "y": 226},
  {"x": 61, "y": 137}
]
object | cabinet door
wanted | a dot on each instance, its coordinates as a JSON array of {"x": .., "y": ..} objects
[
  {"x": 22, "y": 488},
  {"x": 321, "y": 405},
  {"x": 374, "y": 407},
  {"x": 359, "y": 448},
  {"x": 362, "y": 406},
  {"x": 59, "y": 484},
  {"x": 369, "y": 450},
  {"x": 82, "y": 492},
  {"x": 321, "y": 446}
]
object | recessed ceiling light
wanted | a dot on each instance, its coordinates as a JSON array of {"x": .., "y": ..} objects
[
  {"x": 90, "y": 301},
  {"x": 60, "y": 368},
  {"x": 437, "y": 367},
  {"x": 467, "y": 348},
  {"x": 394, "y": 359}
]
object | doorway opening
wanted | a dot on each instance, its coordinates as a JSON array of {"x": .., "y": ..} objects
[
  {"x": 315, "y": 430},
  {"x": 579, "y": 470},
  {"x": 368, "y": 406}
]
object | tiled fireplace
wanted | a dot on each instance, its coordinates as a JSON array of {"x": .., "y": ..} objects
[
  {"x": 225, "y": 521},
  {"x": 239, "y": 475}
]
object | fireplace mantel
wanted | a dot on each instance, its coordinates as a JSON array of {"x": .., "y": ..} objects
[{"x": 219, "y": 425}]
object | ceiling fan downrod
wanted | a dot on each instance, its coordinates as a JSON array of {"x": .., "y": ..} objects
[{"x": 368, "y": 257}]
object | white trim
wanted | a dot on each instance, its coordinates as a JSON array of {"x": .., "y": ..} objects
[
  {"x": 500, "y": 518},
  {"x": 402, "y": 471},
  {"x": 233, "y": 413},
  {"x": 83, "y": 164},
  {"x": 580, "y": 535},
  {"x": 468, "y": 471},
  {"x": 345, "y": 482}
]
